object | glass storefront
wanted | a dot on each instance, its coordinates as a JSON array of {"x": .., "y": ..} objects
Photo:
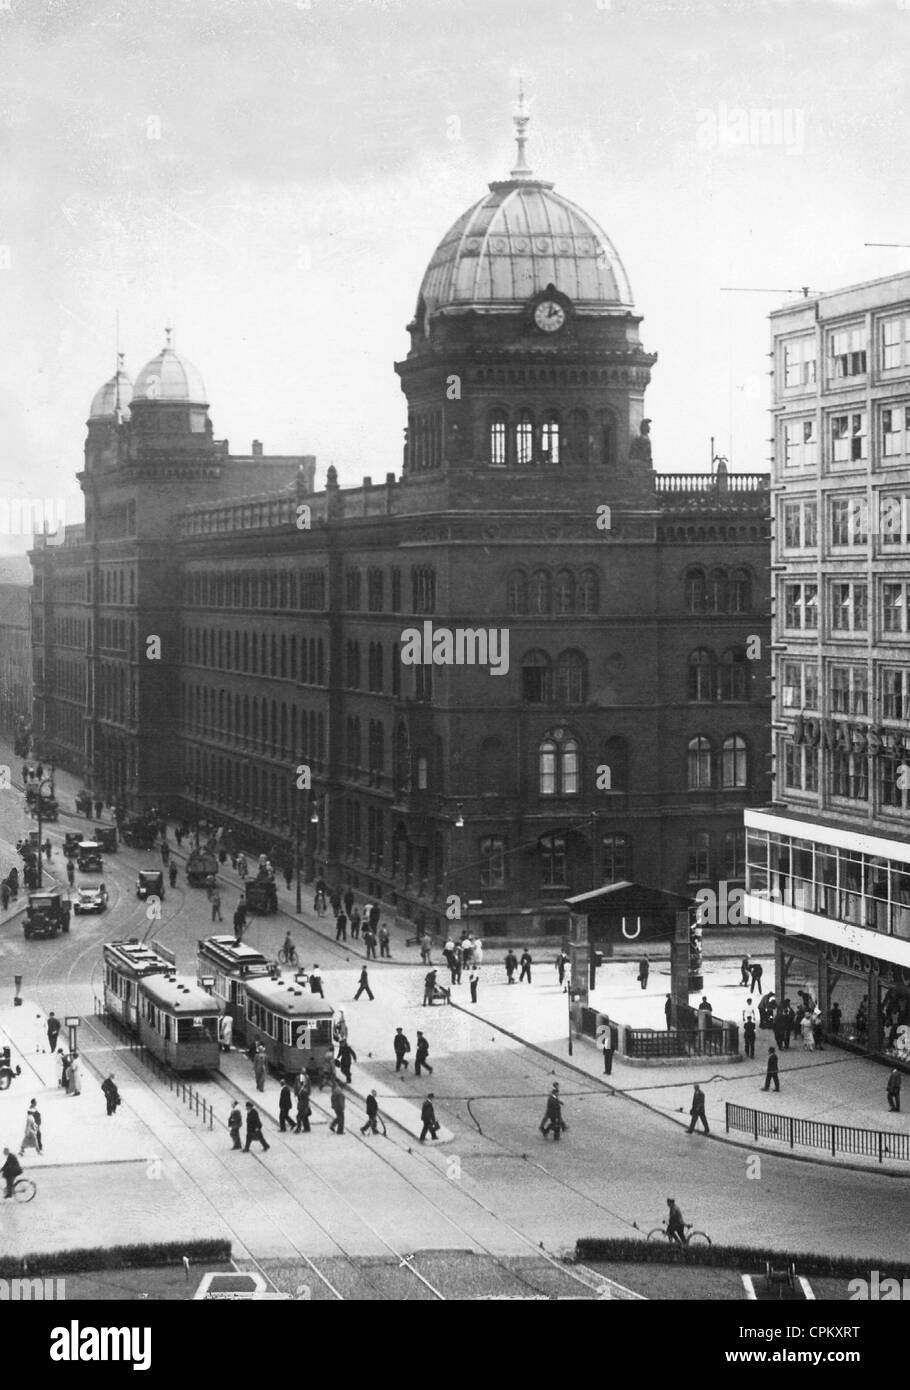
[
  {"x": 799, "y": 977},
  {"x": 848, "y": 1003},
  {"x": 894, "y": 1011}
]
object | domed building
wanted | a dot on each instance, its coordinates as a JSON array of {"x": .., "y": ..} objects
[{"x": 514, "y": 672}]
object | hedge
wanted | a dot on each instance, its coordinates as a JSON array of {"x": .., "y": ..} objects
[
  {"x": 147, "y": 1256},
  {"x": 746, "y": 1258}
]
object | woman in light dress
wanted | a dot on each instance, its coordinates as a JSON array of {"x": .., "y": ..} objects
[{"x": 74, "y": 1080}]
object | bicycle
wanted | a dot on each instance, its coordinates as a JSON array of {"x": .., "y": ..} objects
[
  {"x": 696, "y": 1238},
  {"x": 23, "y": 1190},
  {"x": 288, "y": 955}
]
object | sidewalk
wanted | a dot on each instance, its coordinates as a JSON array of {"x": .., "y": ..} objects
[{"x": 831, "y": 1086}]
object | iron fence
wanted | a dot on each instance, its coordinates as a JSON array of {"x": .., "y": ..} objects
[
  {"x": 816, "y": 1134},
  {"x": 719, "y": 1039},
  {"x": 187, "y": 1093}
]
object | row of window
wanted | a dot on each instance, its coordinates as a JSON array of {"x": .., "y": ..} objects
[
  {"x": 297, "y": 590},
  {"x": 847, "y": 607},
  {"x": 849, "y": 686},
  {"x": 541, "y": 592},
  {"x": 257, "y": 794},
  {"x": 283, "y": 657},
  {"x": 846, "y": 351},
  {"x": 848, "y": 521},
  {"x": 523, "y": 439},
  {"x": 712, "y": 679},
  {"x": 847, "y": 436},
  {"x": 277, "y": 728},
  {"x": 847, "y": 775},
  {"x": 718, "y": 590}
]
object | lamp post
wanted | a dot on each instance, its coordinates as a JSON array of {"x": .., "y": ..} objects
[{"x": 45, "y": 781}]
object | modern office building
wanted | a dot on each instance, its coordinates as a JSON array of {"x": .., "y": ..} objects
[
  {"x": 527, "y": 665},
  {"x": 832, "y": 853}
]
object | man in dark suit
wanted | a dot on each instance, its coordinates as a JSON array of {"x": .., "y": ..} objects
[
  {"x": 772, "y": 1072},
  {"x": 402, "y": 1047},
  {"x": 254, "y": 1128},
  {"x": 428, "y": 1116}
]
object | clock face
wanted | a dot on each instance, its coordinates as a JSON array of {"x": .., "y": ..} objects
[{"x": 549, "y": 316}]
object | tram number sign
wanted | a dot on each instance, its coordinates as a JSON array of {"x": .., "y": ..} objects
[{"x": 300, "y": 1035}]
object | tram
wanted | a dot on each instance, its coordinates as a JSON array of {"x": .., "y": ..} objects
[
  {"x": 293, "y": 1025},
  {"x": 222, "y": 965},
  {"x": 126, "y": 965},
  {"x": 178, "y": 1022}
]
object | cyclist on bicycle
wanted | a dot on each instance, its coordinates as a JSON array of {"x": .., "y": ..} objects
[
  {"x": 676, "y": 1227},
  {"x": 289, "y": 951},
  {"x": 11, "y": 1170}
]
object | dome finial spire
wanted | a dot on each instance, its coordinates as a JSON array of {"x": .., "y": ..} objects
[
  {"x": 521, "y": 119},
  {"x": 168, "y": 330}
]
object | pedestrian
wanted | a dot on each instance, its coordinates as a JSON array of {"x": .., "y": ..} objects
[
  {"x": 428, "y": 1116},
  {"x": 384, "y": 942},
  {"x": 755, "y": 970},
  {"x": 99, "y": 807},
  {"x": 364, "y": 986},
  {"x": 426, "y": 949},
  {"x": 552, "y": 1121},
  {"x": 458, "y": 954},
  {"x": 835, "y": 1020},
  {"x": 374, "y": 915},
  {"x": 259, "y": 1067},
  {"x": 288, "y": 876},
  {"x": 668, "y": 1010},
  {"x": 892, "y": 1090},
  {"x": 355, "y": 924},
  {"x": 335, "y": 901},
  {"x": 369, "y": 940},
  {"x": 421, "y": 1053},
  {"x": 467, "y": 949},
  {"x": 31, "y": 1139},
  {"x": 511, "y": 964},
  {"x": 401, "y": 1048},
  {"x": 526, "y": 962},
  {"x": 4, "y": 886},
  {"x": 429, "y": 987},
  {"x": 285, "y": 1105},
  {"x": 607, "y": 1047},
  {"x": 348, "y": 900},
  {"x": 47, "y": 850},
  {"x": 111, "y": 1094},
  {"x": 473, "y": 979},
  {"x": 340, "y": 1028},
  {"x": 242, "y": 866},
  {"x": 254, "y": 1128},
  {"x": 216, "y": 906},
  {"x": 749, "y": 1037},
  {"x": 304, "y": 1109},
  {"x": 319, "y": 897},
  {"x": 74, "y": 1076},
  {"x": 562, "y": 961},
  {"x": 11, "y": 1170},
  {"x": 373, "y": 1116},
  {"x": 817, "y": 1031},
  {"x": 478, "y": 953},
  {"x": 346, "y": 1055},
  {"x": 165, "y": 852},
  {"x": 783, "y": 1024},
  {"x": 60, "y": 1060},
  {"x": 341, "y": 927},
  {"x": 772, "y": 1073},
  {"x": 744, "y": 969},
  {"x": 53, "y": 1031},
  {"x": 704, "y": 1015},
  {"x": 316, "y": 982},
  {"x": 697, "y": 1110},
  {"x": 337, "y": 1103},
  {"x": 234, "y": 1124},
  {"x": 172, "y": 875},
  {"x": 644, "y": 970},
  {"x": 805, "y": 1028}
]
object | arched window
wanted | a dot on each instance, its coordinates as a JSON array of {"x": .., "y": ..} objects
[
  {"x": 524, "y": 439},
  {"x": 717, "y": 591},
  {"x": 695, "y": 590},
  {"x": 564, "y": 592},
  {"x": 498, "y": 427},
  {"x": 734, "y": 762},
  {"x": 540, "y": 592},
  {"x": 536, "y": 678},
  {"x": 701, "y": 674},
  {"x": 549, "y": 440},
  {"x": 578, "y": 449},
  {"x": 699, "y": 764},
  {"x": 588, "y": 600},
  {"x": 733, "y": 675},
  {"x": 571, "y": 678},
  {"x": 517, "y": 592},
  {"x": 740, "y": 592},
  {"x": 558, "y": 764}
]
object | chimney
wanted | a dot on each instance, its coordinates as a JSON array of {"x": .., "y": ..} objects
[{"x": 257, "y": 449}]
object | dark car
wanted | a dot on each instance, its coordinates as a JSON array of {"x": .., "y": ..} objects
[
  {"x": 106, "y": 836},
  {"x": 150, "y": 884},
  {"x": 71, "y": 841},
  {"x": 90, "y": 860},
  {"x": 47, "y": 914}
]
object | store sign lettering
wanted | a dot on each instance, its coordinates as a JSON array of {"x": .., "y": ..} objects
[
  {"x": 860, "y": 964},
  {"x": 850, "y": 737}
]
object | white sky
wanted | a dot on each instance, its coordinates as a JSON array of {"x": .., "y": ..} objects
[{"x": 305, "y": 173}]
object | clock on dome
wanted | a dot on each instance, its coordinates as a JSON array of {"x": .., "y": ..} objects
[{"x": 549, "y": 316}]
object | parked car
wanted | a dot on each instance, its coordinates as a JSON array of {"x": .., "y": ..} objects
[
  {"x": 90, "y": 899},
  {"x": 150, "y": 884},
  {"x": 47, "y": 914}
]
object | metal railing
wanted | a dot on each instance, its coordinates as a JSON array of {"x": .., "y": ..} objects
[
  {"x": 816, "y": 1134},
  {"x": 187, "y": 1093},
  {"x": 720, "y": 1039}
]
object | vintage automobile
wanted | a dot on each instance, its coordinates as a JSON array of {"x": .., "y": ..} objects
[
  {"x": 47, "y": 914},
  {"x": 150, "y": 884},
  {"x": 89, "y": 857},
  {"x": 71, "y": 841},
  {"x": 201, "y": 867},
  {"x": 106, "y": 836},
  {"x": 261, "y": 895},
  {"x": 48, "y": 805},
  {"x": 138, "y": 833},
  {"x": 90, "y": 899}
]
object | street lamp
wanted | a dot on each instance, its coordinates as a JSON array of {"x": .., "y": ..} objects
[{"x": 45, "y": 781}]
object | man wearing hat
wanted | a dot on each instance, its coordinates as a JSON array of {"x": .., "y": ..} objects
[
  {"x": 552, "y": 1119},
  {"x": 428, "y": 1116}
]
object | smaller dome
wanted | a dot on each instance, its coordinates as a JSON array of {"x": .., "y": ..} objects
[
  {"x": 119, "y": 390},
  {"x": 170, "y": 378}
]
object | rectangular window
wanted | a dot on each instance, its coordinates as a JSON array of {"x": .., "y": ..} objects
[
  {"x": 849, "y": 606},
  {"x": 800, "y": 444},
  {"x": 799, "y": 363},
  {"x": 895, "y": 343},
  {"x": 895, "y": 432},
  {"x": 375, "y": 588},
  {"x": 553, "y": 861},
  {"x": 894, "y": 794},
  {"x": 352, "y": 589},
  {"x": 849, "y": 775},
  {"x": 847, "y": 353},
  {"x": 800, "y": 767},
  {"x": 849, "y": 521},
  {"x": 801, "y": 607},
  {"x": 849, "y": 690},
  {"x": 799, "y": 685},
  {"x": 492, "y": 862},
  {"x": 848, "y": 437},
  {"x": 800, "y": 525},
  {"x": 616, "y": 858},
  {"x": 698, "y": 855},
  {"x": 894, "y": 607},
  {"x": 894, "y": 518},
  {"x": 896, "y": 693}
]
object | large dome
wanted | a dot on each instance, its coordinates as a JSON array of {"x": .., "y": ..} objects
[
  {"x": 518, "y": 240},
  {"x": 113, "y": 395},
  {"x": 170, "y": 378}
]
